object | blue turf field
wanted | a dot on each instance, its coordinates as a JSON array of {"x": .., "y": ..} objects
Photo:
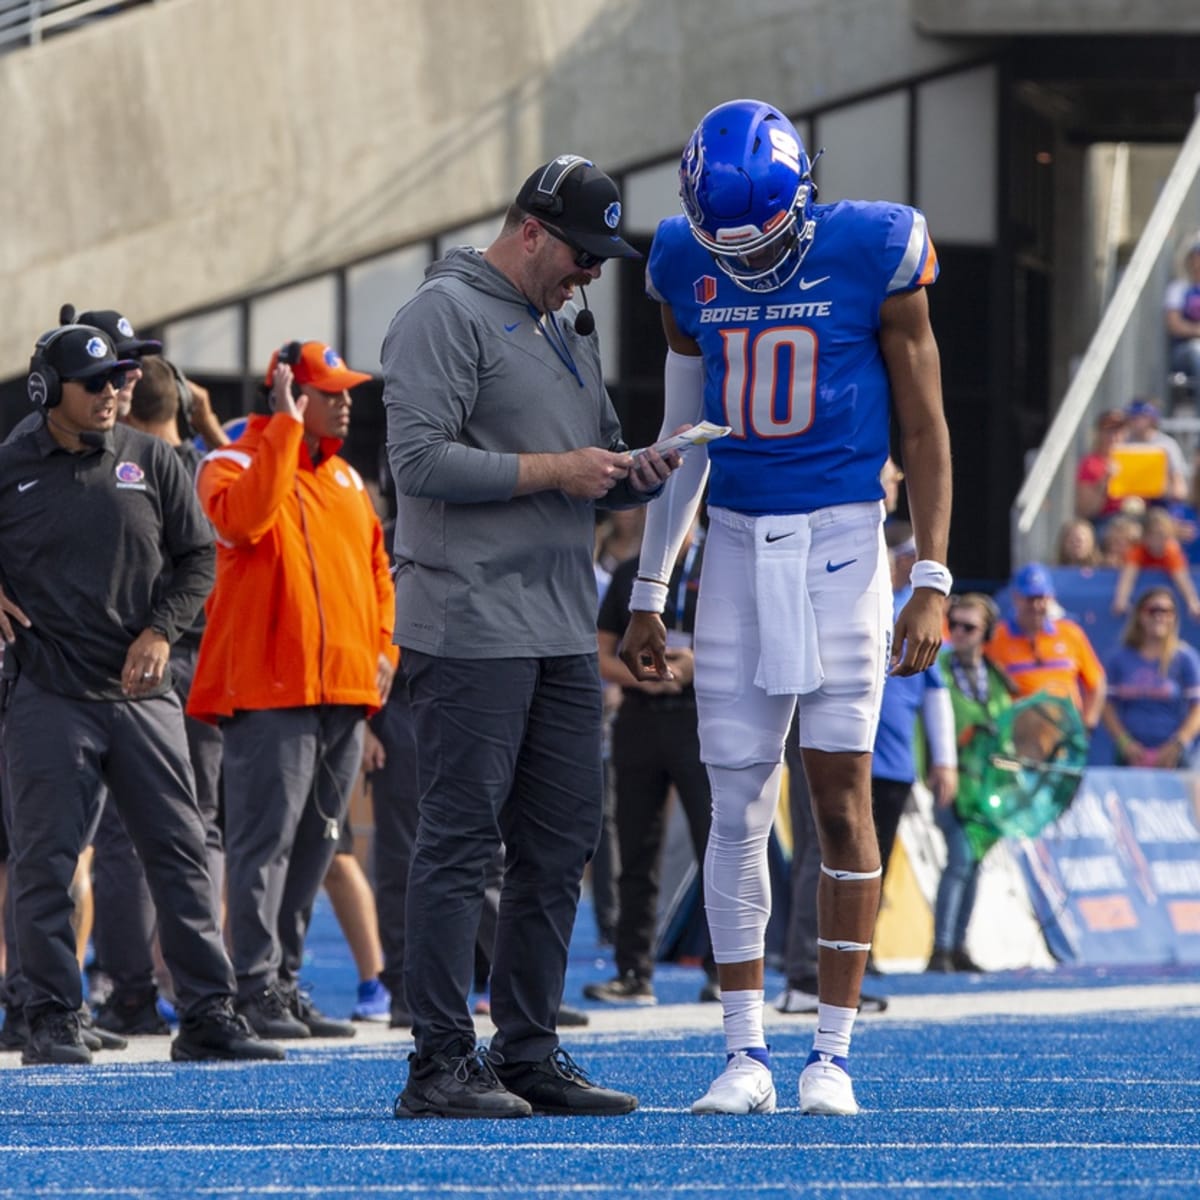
[{"x": 1100, "y": 1105}]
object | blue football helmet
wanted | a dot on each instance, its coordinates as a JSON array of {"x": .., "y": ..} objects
[{"x": 746, "y": 188}]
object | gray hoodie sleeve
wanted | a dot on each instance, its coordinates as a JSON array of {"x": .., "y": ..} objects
[{"x": 430, "y": 364}]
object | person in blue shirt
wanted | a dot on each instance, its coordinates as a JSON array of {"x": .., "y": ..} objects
[
  {"x": 905, "y": 698},
  {"x": 1153, "y": 705},
  {"x": 803, "y": 328}
]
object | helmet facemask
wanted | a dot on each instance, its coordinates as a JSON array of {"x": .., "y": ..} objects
[{"x": 747, "y": 193}]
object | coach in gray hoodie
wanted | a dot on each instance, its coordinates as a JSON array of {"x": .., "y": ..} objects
[{"x": 501, "y": 440}]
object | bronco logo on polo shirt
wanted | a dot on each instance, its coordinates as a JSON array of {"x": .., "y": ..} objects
[{"x": 130, "y": 475}]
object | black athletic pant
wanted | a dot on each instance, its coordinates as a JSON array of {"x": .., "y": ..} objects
[{"x": 508, "y": 752}]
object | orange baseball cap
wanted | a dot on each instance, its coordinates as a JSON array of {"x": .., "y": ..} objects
[{"x": 317, "y": 365}]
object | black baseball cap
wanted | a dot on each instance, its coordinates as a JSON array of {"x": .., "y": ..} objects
[
  {"x": 82, "y": 351},
  {"x": 120, "y": 333},
  {"x": 580, "y": 201}
]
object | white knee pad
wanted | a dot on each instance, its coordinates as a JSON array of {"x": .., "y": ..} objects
[{"x": 737, "y": 893}]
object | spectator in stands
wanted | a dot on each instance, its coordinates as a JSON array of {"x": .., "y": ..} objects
[
  {"x": 1142, "y": 429},
  {"x": 296, "y": 652},
  {"x": 1181, "y": 311},
  {"x": 1041, "y": 652},
  {"x": 1095, "y": 469},
  {"x": 1077, "y": 544},
  {"x": 1153, "y": 709},
  {"x": 1157, "y": 548},
  {"x": 891, "y": 477},
  {"x": 1119, "y": 534},
  {"x": 979, "y": 692},
  {"x": 655, "y": 747}
]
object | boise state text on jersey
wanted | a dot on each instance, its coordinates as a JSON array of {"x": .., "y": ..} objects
[{"x": 797, "y": 372}]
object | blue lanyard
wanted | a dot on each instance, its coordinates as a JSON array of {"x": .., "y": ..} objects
[{"x": 548, "y": 324}]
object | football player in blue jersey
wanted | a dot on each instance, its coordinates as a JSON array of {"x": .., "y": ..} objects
[{"x": 802, "y": 327}]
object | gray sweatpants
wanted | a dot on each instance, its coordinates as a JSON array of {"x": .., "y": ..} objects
[{"x": 288, "y": 775}]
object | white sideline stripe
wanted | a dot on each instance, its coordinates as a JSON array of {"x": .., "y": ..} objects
[{"x": 605, "y": 1147}]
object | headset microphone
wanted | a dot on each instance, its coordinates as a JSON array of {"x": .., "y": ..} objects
[
  {"x": 585, "y": 323},
  {"x": 66, "y": 314}
]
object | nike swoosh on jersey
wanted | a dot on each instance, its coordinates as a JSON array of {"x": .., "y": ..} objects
[
  {"x": 832, "y": 566},
  {"x": 805, "y": 284},
  {"x": 510, "y": 328},
  {"x": 778, "y": 537},
  {"x": 24, "y": 487}
]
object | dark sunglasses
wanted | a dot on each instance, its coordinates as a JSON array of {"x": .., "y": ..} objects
[
  {"x": 965, "y": 626},
  {"x": 1159, "y": 610},
  {"x": 95, "y": 384},
  {"x": 585, "y": 260}
]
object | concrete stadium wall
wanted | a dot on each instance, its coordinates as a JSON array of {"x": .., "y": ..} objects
[{"x": 189, "y": 152}]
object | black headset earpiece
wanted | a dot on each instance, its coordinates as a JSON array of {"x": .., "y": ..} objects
[
  {"x": 545, "y": 198},
  {"x": 44, "y": 387},
  {"x": 185, "y": 396}
]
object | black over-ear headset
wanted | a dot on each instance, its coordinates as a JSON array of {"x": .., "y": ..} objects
[
  {"x": 545, "y": 197},
  {"x": 185, "y": 397},
  {"x": 44, "y": 386},
  {"x": 548, "y": 203}
]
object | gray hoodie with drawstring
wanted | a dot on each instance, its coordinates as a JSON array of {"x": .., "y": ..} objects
[{"x": 473, "y": 377}]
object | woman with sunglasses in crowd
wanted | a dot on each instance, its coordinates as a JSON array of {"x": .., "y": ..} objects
[
  {"x": 1153, "y": 707},
  {"x": 979, "y": 692}
]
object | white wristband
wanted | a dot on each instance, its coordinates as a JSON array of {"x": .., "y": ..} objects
[
  {"x": 930, "y": 574},
  {"x": 648, "y": 596}
]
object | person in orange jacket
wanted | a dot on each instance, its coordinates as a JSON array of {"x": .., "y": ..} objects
[{"x": 296, "y": 652}]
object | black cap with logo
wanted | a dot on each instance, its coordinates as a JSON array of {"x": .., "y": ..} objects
[{"x": 577, "y": 198}]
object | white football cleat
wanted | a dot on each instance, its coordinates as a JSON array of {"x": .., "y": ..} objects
[
  {"x": 745, "y": 1086},
  {"x": 826, "y": 1088}
]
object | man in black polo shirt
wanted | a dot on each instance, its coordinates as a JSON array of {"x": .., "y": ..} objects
[{"x": 105, "y": 558}]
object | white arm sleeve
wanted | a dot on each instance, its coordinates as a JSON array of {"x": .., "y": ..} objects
[
  {"x": 669, "y": 516},
  {"x": 939, "y": 727}
]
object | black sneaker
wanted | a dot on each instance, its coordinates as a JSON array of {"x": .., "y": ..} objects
[
  {"x": 97, "y": 1039},
  {"x": 400, "y": 1017},
  {"x": 462, "y": 1085},
  {"x": 941, "y": 962},
  {"x": 217, "y": 1033},
  {"x": 573, "y": 1017},
  {"x": 964, "y": 962},
  {"x": 317, "y": 1023},
  {"x": 802, "y": 997},
  {"x": 15, "y": 1033},
  {"x": 556, "y": 1087},
  {"x": 55, "y": 1037},
  {"x": 625, "y": 989},
  {"x": 131, "y": 1013},
  {"x": 269, "y": 1014}
]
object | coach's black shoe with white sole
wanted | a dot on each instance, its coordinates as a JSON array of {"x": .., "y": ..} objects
[{"x": 456, "y": 1085}]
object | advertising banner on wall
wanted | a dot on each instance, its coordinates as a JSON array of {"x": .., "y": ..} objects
[{"x": 1117, "y": 878}]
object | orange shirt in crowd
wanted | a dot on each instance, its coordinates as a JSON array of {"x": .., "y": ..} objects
[
  {"x": 1171, "y": 559},
  {"x": 303, "y": 605},
  {"x": 1056, "y": 660}
]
